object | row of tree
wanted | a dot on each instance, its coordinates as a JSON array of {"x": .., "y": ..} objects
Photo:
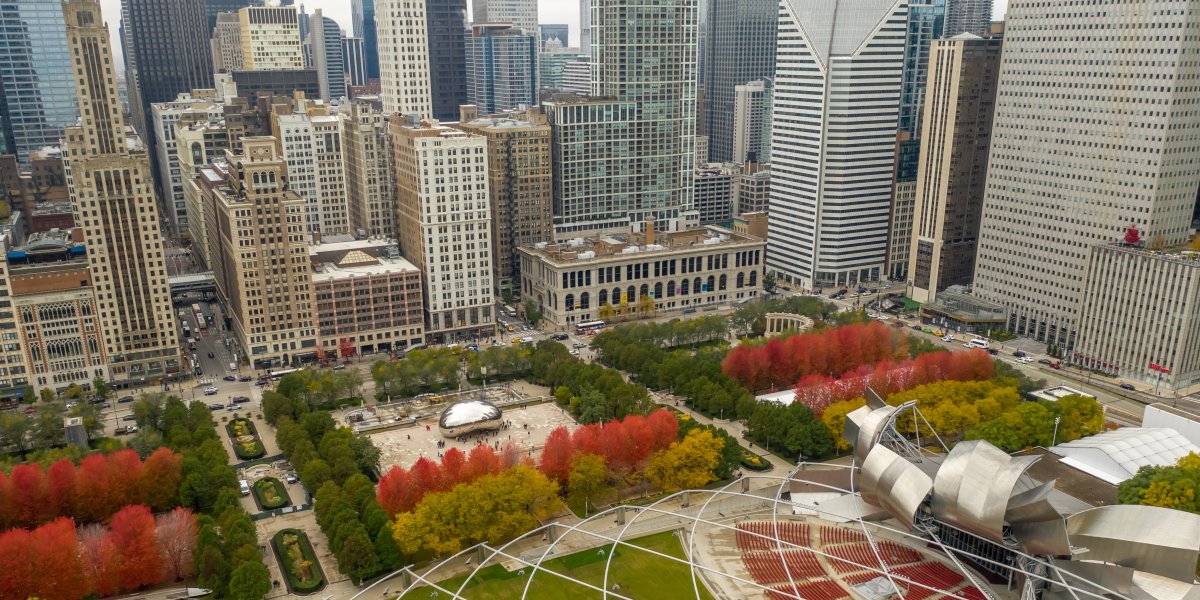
[
  {"x": 500, "y": 362},
  {"x": 595, "y": 393},
  {"x": 625, "y": 445},
  {"x": 888, "y": 377},
  {"x": 669, "y": 334},
  {"x": 335, "y": 462},
  {"x": 322, "y": 387},
  {"x": 97, "y": 489},
  {"x": 400, "y": 489},
  {"x": 782, "y": 361},
  {"x": 420, "y": 371},
  {"x": 227, "y": 557},
  {"x": 56, "y": 561}
]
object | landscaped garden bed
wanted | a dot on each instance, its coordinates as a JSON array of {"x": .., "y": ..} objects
[
  {"x": 298, "y": 561},
  {"x": 270, "y": 494},
  {"x": 243, "y": 435},
  {"x": 754, "y": 462}
]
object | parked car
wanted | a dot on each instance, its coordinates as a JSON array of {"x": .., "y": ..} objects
[
  {"x": 993, "y": 351},
  {"x": 106, "y": 405},
  {"x": 210, "y": 391},
  {"x": 261, "y": 382},
  {"x": 578, "y": 345},
  {"x": 128, "y": 418},
  {"x": 229, "y": 378},
  {"x": 1127, "y": 386},
  {"x": 124, "y": 399},
  {"x": 240, "y": 399},
  {"x": 1018, "y": 354},
  {"x": 947, "y": 338},
  {"x": 245, "y": 378},
  {"x": 291, "y": 478},
  {"x": 1044, "y": 361},
  {"x": 1055, "y": 365},
  {"x": 216, "y": 406},
  {"x": 1025, "y": 360}
]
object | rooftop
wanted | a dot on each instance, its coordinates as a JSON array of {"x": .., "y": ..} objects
[
  {"x": 1115, "y": 456},
  {"x": 340, "y": 258},
  {"x": 622, "y": 245},
  {"x": 1186, "y": 252}
]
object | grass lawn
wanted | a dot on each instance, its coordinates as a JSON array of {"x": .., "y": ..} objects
[{"x": 639, "y": 573}]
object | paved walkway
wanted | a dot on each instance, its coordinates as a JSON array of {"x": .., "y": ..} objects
[{"x": 733, "y": 428}]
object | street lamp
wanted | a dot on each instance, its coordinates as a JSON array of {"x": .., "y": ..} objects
[
  {"x": 387, "y": 389},
  {"x": 1054, "y": 438}
]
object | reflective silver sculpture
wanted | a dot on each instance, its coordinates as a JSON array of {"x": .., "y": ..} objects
[
  {"x": 892, "y": 482},
  {"x": 1146, "y": 538},
  {"x": 469, "y": 416}
]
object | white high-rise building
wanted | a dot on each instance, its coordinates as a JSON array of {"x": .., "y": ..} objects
[
  {"x": 270, "y": 38},
  {"x": 444, "y": 223},
  {"x": 202, "y": 105},
  {"x": 403, "y": 57},
  {"x": 833, "y": 139},
  {"x": 311, "y": 143},
  {"x": 1096, "y": 130},
  {"x": 523, "y": 14},
  {"x": 585, "y": 27},
  {"x": 325, "y": 39},
  {"x": 751, "y": 133}
]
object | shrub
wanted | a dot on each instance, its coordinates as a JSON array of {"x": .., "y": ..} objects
[
  {"x": 270, "y": 493},
  {"x": 299, "y": 561},
  {"x": 244, "y": 437}
]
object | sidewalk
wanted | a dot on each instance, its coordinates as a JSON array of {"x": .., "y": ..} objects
[{"x": 781, "y": 467}]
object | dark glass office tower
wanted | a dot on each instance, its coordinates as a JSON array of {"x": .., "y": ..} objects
[
  {"x": 212, "y": 7},
  {"x": 167, "y": 51},
  {"x": 740, "y": 48},
  {"x": 446, "y": 23},
  {"x": 363, "y": 14}
]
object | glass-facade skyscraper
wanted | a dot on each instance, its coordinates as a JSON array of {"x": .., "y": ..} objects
[
  {"x": 740, "y": 48},
  {"x": 363, "y": 15},
  {"x": 502, "y": 64},
  {"x": 446, "y": 22},
  {"x": 38, "y": 97},
  {"x": 926, "y": 21}
]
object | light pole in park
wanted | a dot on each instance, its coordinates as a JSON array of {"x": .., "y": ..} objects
[{"x": 1054, "y": 438}]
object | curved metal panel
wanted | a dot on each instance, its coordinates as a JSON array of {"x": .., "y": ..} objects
[
  {"x": 1036, "y": 524},
  {"x": 973, "y": 486},
  {"x": 869, "y": 430},
  {"x": 854, "y": 420},
  {"x": 1146, "y": 538},
  {"x": 892, "y": 482}
]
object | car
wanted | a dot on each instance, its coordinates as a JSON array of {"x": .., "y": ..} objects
[
  {"x": 560, "y": 337},
  {"x": 1127, "y": 386},
  {"x": 246, "y": 378},
  {"x": 210, "y": 391},
  {"x": 916, "y": 327},
  {"x": 578, "y": 345},
  {"x": 124, "y": 430},
  {"x": 128, "y": 418},
  {"x": 229, "y": 378},
  {"x": 947, "y": 338},
  {"x": 1044, "y": 361},
  {"x": 240, "y": 399},
  {"x": 199, "y": 371},
  {"x": 291, "y": 478},
  {"x": 1055, "y": 365},
  {"x": 211, "y": 355},
  {"x": 1025, "y": 360},
  {"x": 261, "y": 382},
  {"x": 96, "y": 399},
  {"x": 106, "y": 405},
  {"x": 1018, "y": 354},
  {"x": 216, "y": 406},
  {"x": 124, "y": 399},
  {"x": 338, "y": 367},
  {"x": 993, "y": 351}
]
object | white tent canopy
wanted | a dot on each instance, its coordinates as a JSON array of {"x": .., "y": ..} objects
[{"x": 1115, "y": 456}]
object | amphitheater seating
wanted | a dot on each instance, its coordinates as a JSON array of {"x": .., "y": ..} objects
[
  {"x": 840, "y": 535},
  {"x": 812, "y": 590},
  {"x": 932, "y": 574},
  {"x": 861, "y": 554},
  {"x": 769, "y": 567},
  {"x": 788, "y": 531}
]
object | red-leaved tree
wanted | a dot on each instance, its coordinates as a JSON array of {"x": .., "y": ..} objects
[
  {"x": 16, "y": 564},
  {"x": 99, "y": 559},
  {"x": 31, "y": 495},
  {"x": 557, "y": 455},
  {"x": 177, "y": 532},
  {"x": 54, "y": 551},
  {"x": 134, "y": 537},
  {"x": 60, "y": 478},
  {"x": 161, "y": 474}
]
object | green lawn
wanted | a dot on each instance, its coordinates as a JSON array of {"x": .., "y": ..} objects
[{"x": 639, "y": 573}]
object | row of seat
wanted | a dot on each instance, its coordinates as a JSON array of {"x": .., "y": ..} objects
[
  {"x": 831, "y": 535},
  {"x": 788, "y": 531},
  {"x": 932, "y": 574},
  {"x": 810, "y": 590},
  {"x": 857, "y": 554},
  {"x": 789, "y": 565}
]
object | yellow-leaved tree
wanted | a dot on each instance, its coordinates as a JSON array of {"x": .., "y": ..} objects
[{"x": 689, "y": 463}]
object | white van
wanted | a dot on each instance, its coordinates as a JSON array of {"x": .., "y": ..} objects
[
  {"x": 978, "y": 342},
  {"x": 245, "y": 485}
]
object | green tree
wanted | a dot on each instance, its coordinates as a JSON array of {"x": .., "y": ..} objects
[
  {"x": 769, "y": 282},
  {"x": 48, "y": 395},
  {"x": 532, "y": 313},
  {"x": 148, "y": 410},
  {"x": 386, "y": 551},
  {"x": 690, "y": 463},
  {"x": 28, "y": 396},
  {"x": 356, "y": 557},
  {"x": 587, "y": 481},
  {"x": 250, "y": 581},
  {"x": 100, "y": 387}
]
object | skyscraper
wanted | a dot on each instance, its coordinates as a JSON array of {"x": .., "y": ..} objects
[
  {"x": 751, "y": 122},
  {"x": 501, "y": 67},
  {"x": 325, "y": 37},
  {"x": 370, "y": 167},
  {"x": 444, "y": 223},
  {"x": 214, "y": 7},
  {"x": 837, "y": 95},
  {"x": 363, "y": 14},
  {"x": 1059, "y": 185},
  {"x": 447, "y": 29},
  {"x": 37, "y": 99},
  {"x": 522, "y": 14},
  {"x": 404, "y": 57},
  {"x": 355, "y": 60},
  {"x": 271, "y": 39},
  {"x": 109, "y": 177},
  {"x": 311, "y": 144},
  {"x": 555, "y": 31},
  {"x": 629, "y": 155},
  {"x": 167, "y": 52},
  {"x": 227, "y": 43},
  {"x": 926, "y": 20},
  {"x": 741, "y": 49},
  {"x": 968, "y": 16},
  {"x": 953, "y": 165},
  {"x": 585, "y": 27}
]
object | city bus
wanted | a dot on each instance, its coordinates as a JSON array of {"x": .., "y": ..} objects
[
  {"x": 277, "y": 375},
  {"x": 588, "y": 327},
  {"x": 200, "y": 321}
]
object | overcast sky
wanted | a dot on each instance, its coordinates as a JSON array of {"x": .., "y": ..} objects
[{"x": 549, "y": 11}]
